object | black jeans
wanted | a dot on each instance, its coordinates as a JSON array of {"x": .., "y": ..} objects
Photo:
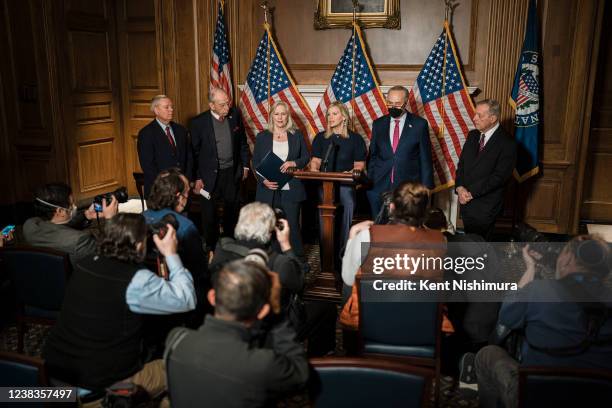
[
  {"x": 497, "y": 374},
  {"x": 225, "y": 193}
]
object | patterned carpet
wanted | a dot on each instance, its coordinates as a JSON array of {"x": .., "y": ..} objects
[{"x": 450, "y": 394}]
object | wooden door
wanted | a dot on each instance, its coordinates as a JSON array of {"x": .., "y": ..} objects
[
  {"x": 597, "y": 193},
  {"x": 91, "y": 96}
]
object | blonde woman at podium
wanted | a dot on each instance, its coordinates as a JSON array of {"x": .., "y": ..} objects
[
  {"x": 339, "y": 149},
  {"x": 287, "y": 142}
]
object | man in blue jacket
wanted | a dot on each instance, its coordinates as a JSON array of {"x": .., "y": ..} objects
[{"x": 400, "y": 149}]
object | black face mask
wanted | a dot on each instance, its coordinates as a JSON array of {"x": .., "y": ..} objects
[{"x": 395, "y": 112}]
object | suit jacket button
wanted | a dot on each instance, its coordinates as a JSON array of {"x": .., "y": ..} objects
[{"x": 215, "y": 171}]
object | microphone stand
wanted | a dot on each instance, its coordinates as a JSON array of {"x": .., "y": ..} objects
[{"x": 332, "y": 146}]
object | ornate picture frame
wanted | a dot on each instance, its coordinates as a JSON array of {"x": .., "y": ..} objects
[{"x": 373, "y": 13}]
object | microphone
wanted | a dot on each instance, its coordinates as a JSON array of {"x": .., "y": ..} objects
[{"x": 331, "y": 146}]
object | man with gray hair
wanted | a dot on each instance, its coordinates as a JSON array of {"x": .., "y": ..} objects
[
  {"x": 400, "y": 149},
  {"x": 485, "y": 165},
  {"x": 222, "y": 161},
  {"x": 256, "y": 224},
  {"x": 163, "y": 144}
]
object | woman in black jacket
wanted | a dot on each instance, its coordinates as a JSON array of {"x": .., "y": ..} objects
[{"x": 284, "y": 140}]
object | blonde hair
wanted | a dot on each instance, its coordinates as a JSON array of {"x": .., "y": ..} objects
[
  {"x": 347, "y": 120},
  {"x": 290, "y": 125}
]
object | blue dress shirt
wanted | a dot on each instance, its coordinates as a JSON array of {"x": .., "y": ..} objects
[{"x": 148, "y": 293}]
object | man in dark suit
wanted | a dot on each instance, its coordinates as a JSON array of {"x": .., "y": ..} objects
[
  {"x": 163, "y": 144},
  {"x": 400, "y": 149},
  {"x": 222, "y": 162},
  {"x": 485, "y": 165}
]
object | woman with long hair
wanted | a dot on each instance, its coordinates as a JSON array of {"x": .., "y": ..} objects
[{"x": 283, "y": 139}]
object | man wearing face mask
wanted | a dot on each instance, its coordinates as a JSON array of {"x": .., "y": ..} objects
[
  {"x": 58, "y": 225},
  {"x": 400, "y": 149}
]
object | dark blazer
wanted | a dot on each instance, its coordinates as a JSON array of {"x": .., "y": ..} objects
[
  {"x": 485, "y": 175},
  {"x": 155, "y": 153},
  {"x": 298, "y": 152},
  {"x": 205, "y": 147},
  {"x": 221, "y": 365},
  {"x": 412, "y": 159}
]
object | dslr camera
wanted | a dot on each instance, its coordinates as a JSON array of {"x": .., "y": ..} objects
[
  {"x": 280, "y": 215},
  {"x": 161, "y": 227},
  {"x": 120, "y": 194}
]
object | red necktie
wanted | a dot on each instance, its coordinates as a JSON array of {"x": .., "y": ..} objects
[
  {"x": 481, "y": 145},
  {"x": 170, "y": 139},
  {"x": 396, "y": 135}
]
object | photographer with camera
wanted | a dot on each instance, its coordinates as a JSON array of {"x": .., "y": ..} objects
[
  {"x": 169, "y": 195},
  {"x": 60, "y": 226},
  {"x": 97, "y": 340},
  {"x": 257, "y": 223},
  {"x": 224, "y": 362},
  {"x": 565, "y": 322}
]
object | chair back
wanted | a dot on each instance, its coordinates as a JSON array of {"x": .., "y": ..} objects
[
  {"x": 564, "y": 387},
  {"x": 39, "y": 275},
  {"x": 362, "y": 382},
  {"x": 139, "y": 181},
  {"x": 18, "y": 370},
  {"x": 396, "y": 322}
]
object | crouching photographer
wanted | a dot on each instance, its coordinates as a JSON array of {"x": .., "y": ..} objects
[
  {"x": 204, "y": 366},
  {"x": 59, "y": 225},
  {"x": 98, "y": 338},
  {"x": 258, "y": 225},
  {"x": 563, "y": 322}
]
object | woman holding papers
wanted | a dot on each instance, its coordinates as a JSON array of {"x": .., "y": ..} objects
[
  {"x": 283, "y": 140},
  {"x": 339, "y": 149}
]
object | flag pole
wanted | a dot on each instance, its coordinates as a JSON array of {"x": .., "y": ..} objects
[
  {"x": 355, "y": 8},
  {"x": 265, "y": 7}
]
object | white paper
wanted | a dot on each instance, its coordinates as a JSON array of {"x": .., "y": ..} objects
[{"x": 205, "y": 194}]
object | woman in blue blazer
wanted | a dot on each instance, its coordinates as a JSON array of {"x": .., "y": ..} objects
[{"x": 288, "y": 143}]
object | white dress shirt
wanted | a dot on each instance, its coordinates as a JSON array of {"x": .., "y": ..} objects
[
  {"x": 164, "y": 129},
  {"x": 488, "y": 134}
]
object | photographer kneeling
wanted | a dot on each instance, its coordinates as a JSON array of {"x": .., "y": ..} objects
[
  {"x": 98, "y": 338},
  {"x": 58, "y": 225},
  {"x": 169, "y": 195},
  {"x": 565, "y": 321},
  {"x": 224, "y": 362},
  {"x": 256, "y": 224}
]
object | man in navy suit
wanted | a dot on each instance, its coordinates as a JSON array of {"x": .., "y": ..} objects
[
  {"x": 222, "y": 162},
  {"x": 163, "y": 144},
  {"x": 485, "y": 166},
  {"x": 400, "y": 149}
]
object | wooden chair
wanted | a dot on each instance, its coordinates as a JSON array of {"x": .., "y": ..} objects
[
  {"x": 402, "y": 328},
  {"x": 39, "y": 276},
  {"x": 564, "y": 387},
  {"x": 364, "y": 382},
  {"x": 139, "y": 180}
]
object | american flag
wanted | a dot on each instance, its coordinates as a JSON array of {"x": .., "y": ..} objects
[
  {"x": 268, "y": 84},
  {"x": 367, "y": 103},
  {"x": 220, "y": 76},
  {"x": 448, "y": 113}
]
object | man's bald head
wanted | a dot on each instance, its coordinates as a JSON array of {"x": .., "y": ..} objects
[{"x": 219, "y": 102}]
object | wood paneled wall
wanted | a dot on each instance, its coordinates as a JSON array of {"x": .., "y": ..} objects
[
  {"x": 77, "y": 87},
  {"x": 32, "y": 146},
  {"x": 90, "y": 94}
]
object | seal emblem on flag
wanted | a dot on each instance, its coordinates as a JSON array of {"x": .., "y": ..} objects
[{"x": 528, "y": 101}]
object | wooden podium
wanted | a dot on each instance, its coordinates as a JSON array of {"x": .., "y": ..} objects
[{"x": 325, "y": 285}]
